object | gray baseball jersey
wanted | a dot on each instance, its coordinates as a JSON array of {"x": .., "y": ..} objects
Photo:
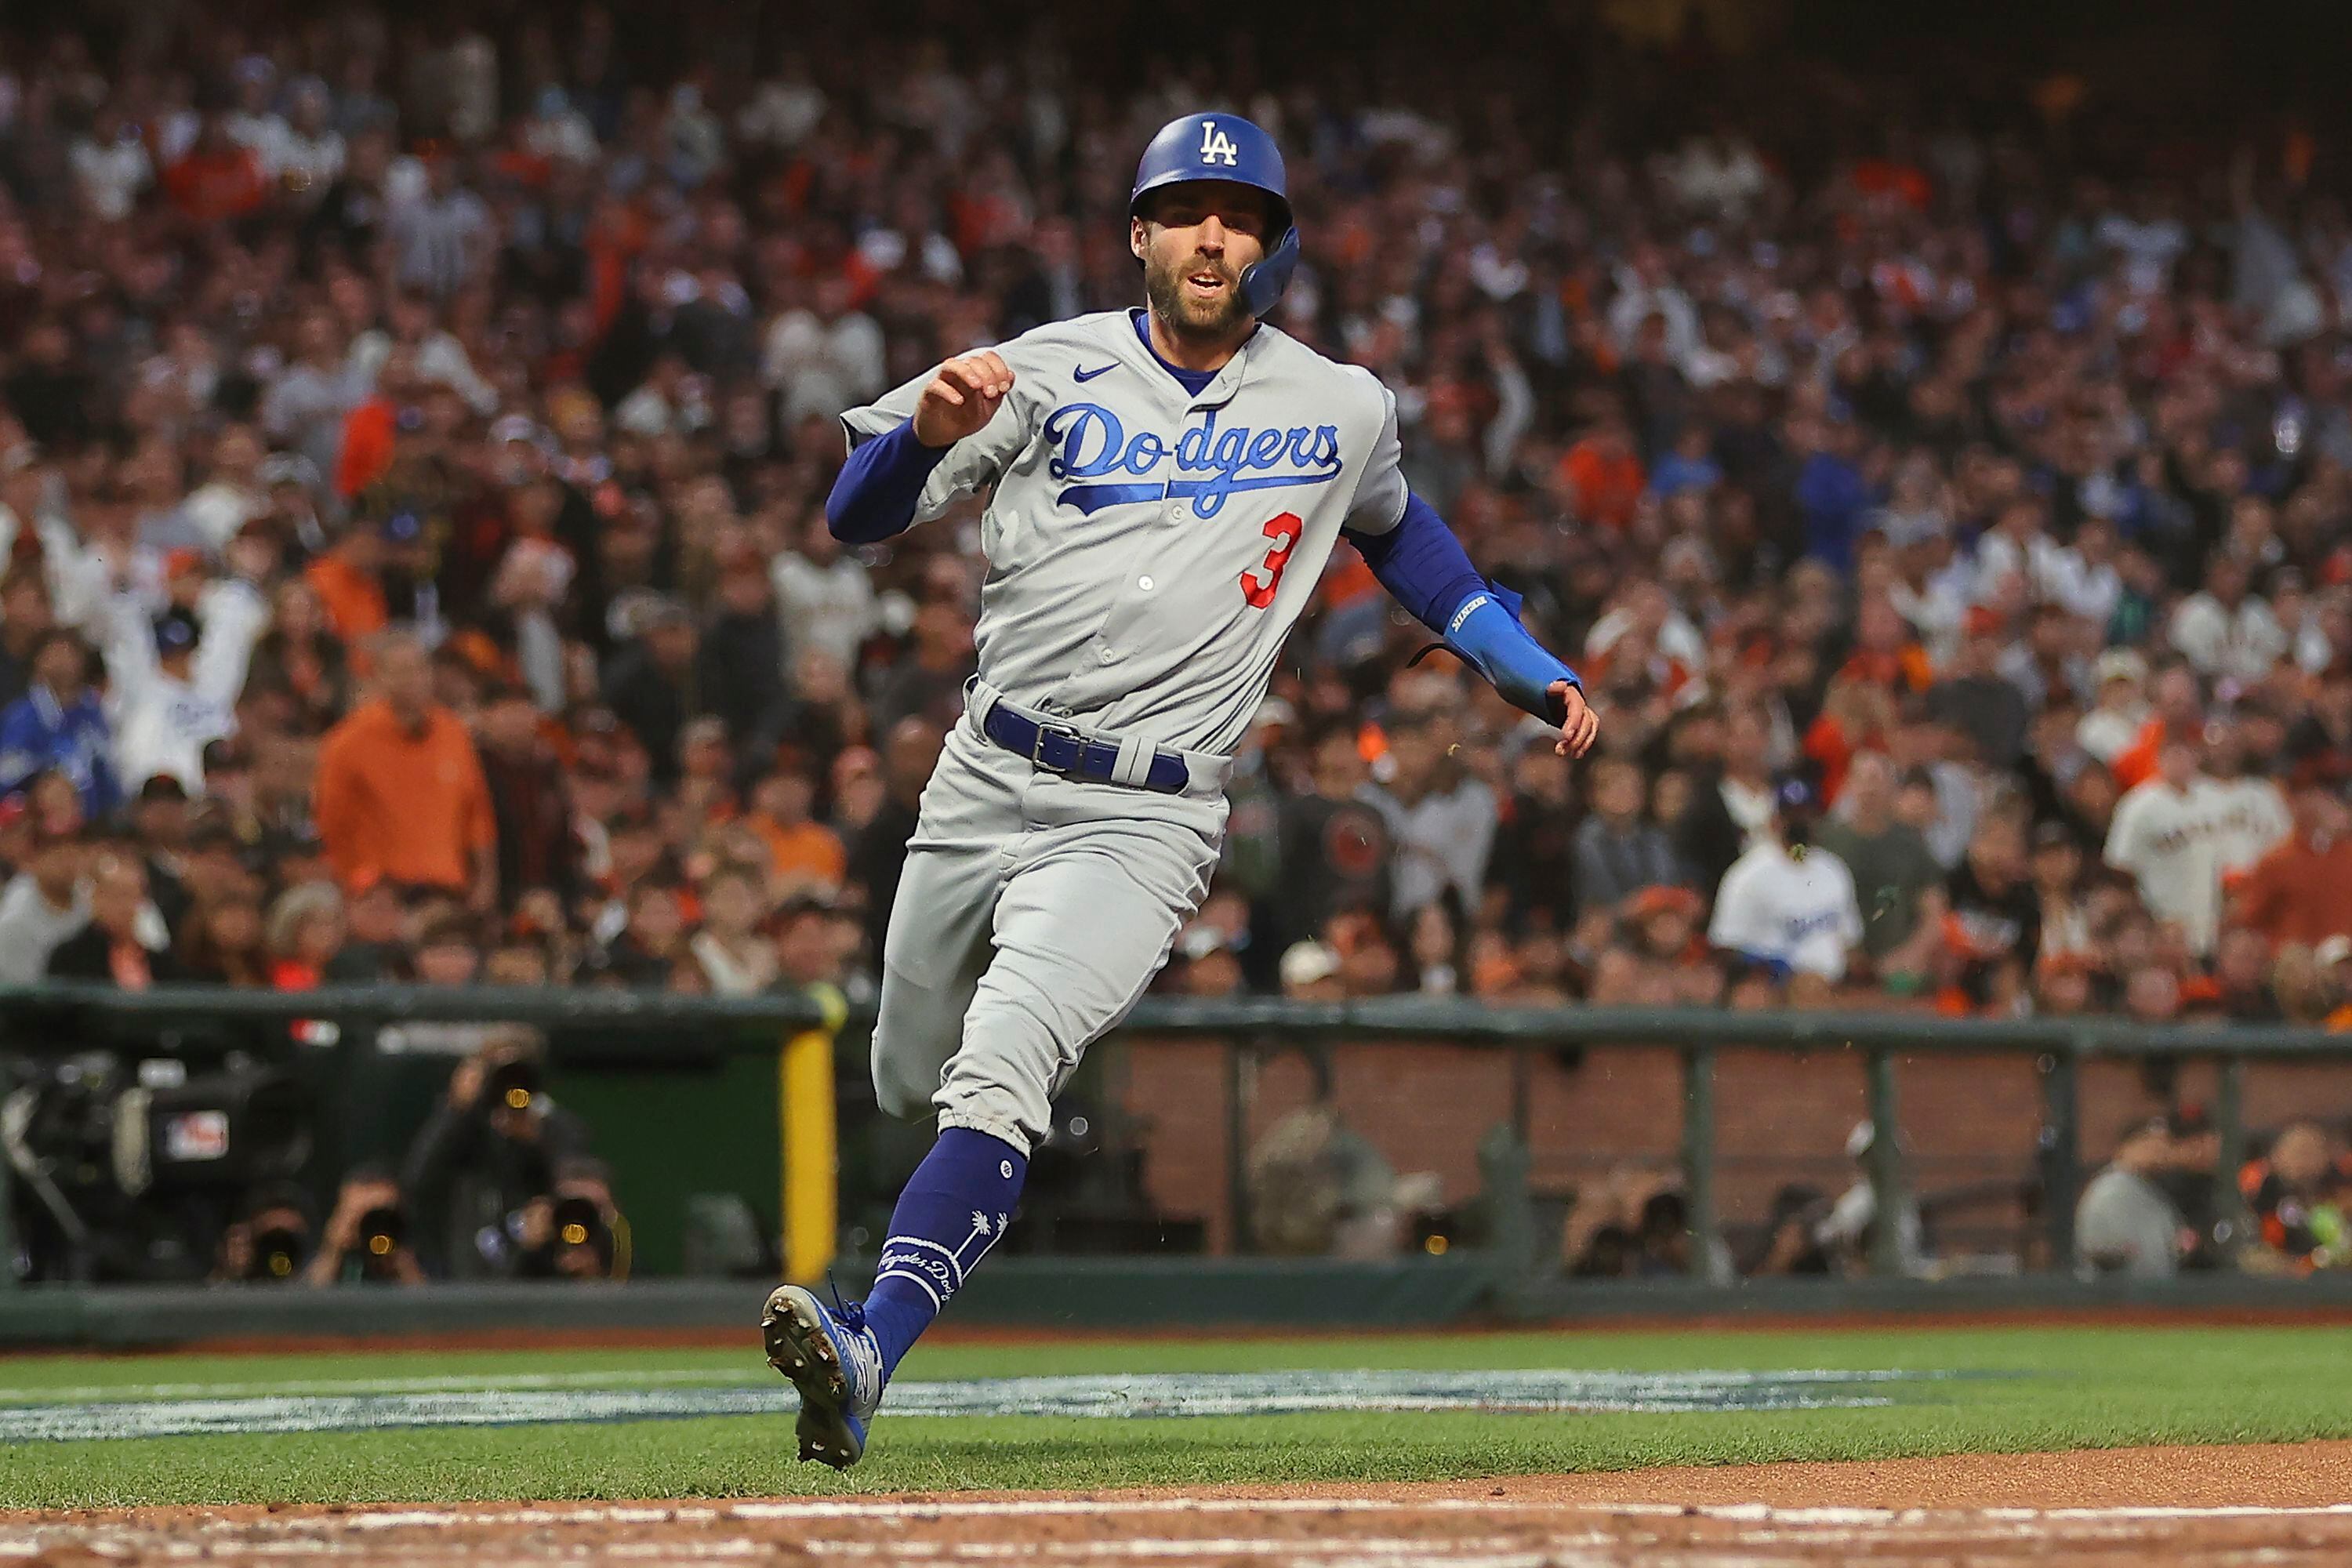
[{"x": 1149, "y": 550}]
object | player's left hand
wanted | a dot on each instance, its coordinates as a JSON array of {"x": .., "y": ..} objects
[{"x": 1578, "y": 724}]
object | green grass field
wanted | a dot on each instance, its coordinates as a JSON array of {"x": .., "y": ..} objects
[{"x": 1992, "y": 1390}]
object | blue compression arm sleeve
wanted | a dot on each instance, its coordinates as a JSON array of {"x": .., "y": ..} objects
[
  {"x": 1420, "y": 564},
  {"x": 874, "y": 496},
  {"x": 1486, "y": 633},
  {"x": 1425, "y": 569}
]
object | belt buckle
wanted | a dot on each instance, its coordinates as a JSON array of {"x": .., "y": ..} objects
[{"x": 1067, "y": 732}]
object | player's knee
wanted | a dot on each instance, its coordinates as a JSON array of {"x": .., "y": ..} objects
[{"x": 900, "y": 1088}]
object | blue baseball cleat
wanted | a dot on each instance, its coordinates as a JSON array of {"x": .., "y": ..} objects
[{"x": 831, "y": 1357}]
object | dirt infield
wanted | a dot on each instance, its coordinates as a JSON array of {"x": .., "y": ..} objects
[{"x": 2272, "y": 1504}]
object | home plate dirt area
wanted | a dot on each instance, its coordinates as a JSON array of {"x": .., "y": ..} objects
[{"x": 2258, "y": 1504}]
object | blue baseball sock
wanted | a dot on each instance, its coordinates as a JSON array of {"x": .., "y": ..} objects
[{"x": 954, "y": 1207}]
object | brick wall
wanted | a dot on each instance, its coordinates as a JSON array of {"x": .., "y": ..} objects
[{"x": 1780, "y": 1118}]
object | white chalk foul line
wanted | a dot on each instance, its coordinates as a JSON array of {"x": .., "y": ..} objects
[
  {"x": 34, "y": 1393},
  {"x": 922, "y": 1510},
  {"x": 1574, "y": 1530}
]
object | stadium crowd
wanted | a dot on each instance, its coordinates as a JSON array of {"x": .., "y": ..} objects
[{"x": 413, "y": 444}]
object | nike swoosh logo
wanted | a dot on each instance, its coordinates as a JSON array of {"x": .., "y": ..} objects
[{"x": 1081, "y": 374}]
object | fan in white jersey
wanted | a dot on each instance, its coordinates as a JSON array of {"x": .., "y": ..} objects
[{"x": 1787, "y": 902}]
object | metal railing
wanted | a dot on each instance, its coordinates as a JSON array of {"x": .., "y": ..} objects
[{"x": 47, "y": 1019}]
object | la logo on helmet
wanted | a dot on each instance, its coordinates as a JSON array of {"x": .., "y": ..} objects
[{"x": 1216, "y": 147}]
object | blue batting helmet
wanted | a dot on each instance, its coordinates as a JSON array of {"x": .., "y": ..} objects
[{"x": 1226, "y": 147}]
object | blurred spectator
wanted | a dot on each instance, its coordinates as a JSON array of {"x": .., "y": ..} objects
[
  {"x": 303, "y": 935},
  {"x": 927, "y": 681},
  {"x": 1788, "y": 1242},
  {"x": 440, "y": 237},
  {"x": 115, "y": 949},
  {"x": 804, "y": 855},
  {"x": 2302, "y": 890},
  {"x": 44, "y": 904},
  {"x": 1336, "y": 844},
  {"x": 25, "y": 621},
  {"x": 1994, "y": 923},
  {"x": 1320, "y": 1189},
  {"x": 1633, "y": 1223},
  {"x": 1848, "y": 1233},
  {"x": 651, "y": 686},
  {"x": 1442, "y": 818},
  {"x": 2167, "y": 833},
  {"x": 2120, "y": 712},
  {"x": 1730, "y": 807},
  {"x": 2294, "y": 1193},
  {"x": 1897, "y": 882},
  {"x": 528, "y": 802},
  {"x": 374, "y": 948},
  {"x": 163, "y": 720},
  {"x": 879, "y": 848},
  {"x": 1618, "y": 853},
  {"x": 2223, "y": 630},
  {"x": 742, "y": 657},
  {"x": 2124, "y": 1222},
  {"x": 1787, "y": 904},
  {"x": 1533, "y": 861},
  {"x": 59, "y": 725},
  {"x": 736, "y": 961},
  {"x": 813, "y": 943},
  {"x": 824, "y": 595},
  {"x": 222, "y": 943},
  {"x": 401, "y": 796}
]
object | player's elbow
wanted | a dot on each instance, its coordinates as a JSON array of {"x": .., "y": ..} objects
[
  {"x": 853, "y": 517},
  {"x": 839, "y": 509}
]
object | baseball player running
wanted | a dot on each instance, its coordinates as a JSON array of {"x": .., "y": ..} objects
[{"x": 1168, "y": 483}]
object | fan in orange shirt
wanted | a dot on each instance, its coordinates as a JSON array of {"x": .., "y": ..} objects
[
  {"x": 347, "y": 578},
  {"x": 1603, "y": 475},
  {"x": 806, "y": 854},
  {"x": 1856, "y": 715},
  {"x": 216, "y": 179}
]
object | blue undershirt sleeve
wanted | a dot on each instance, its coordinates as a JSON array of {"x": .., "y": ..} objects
[
  {"x": 1420, "y": 564},
  {"x": 876, "y": 494}
]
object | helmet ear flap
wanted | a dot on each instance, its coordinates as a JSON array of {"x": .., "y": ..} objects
[{"x": 1263, "y": 280}]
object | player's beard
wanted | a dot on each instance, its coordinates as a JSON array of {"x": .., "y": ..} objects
[{"x": 1202, "y": 321}]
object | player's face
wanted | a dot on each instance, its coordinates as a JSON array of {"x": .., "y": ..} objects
[{"x": 1194, "y": 242}]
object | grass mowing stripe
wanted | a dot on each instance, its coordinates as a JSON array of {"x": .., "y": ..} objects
[
  {"x": 1125, "y": 1397},
  {"x": 2092, "y": 1387}
]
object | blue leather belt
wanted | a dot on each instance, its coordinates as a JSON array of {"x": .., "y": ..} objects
[{"x": 1060, "y": 749}]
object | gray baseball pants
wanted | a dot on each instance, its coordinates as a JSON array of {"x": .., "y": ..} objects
[{"x": 1033, "y": 911}]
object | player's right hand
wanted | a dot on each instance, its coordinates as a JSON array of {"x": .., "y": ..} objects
[{"x": 962, "y": 398}]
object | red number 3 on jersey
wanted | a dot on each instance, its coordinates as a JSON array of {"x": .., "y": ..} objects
[{"x": 1284, "y": 530}]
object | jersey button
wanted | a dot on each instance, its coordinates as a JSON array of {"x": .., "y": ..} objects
[
  {"x": 1144, "y": 582},
  {"x": 1175, "y": 512},
  {"x": 1108, "y": 654}
]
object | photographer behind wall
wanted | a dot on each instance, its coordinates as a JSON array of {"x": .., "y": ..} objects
[
  {"x": 500, "y": 1179},
  {"x": 367, "y": 1239}
]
